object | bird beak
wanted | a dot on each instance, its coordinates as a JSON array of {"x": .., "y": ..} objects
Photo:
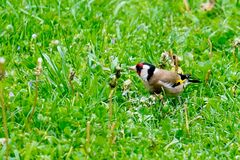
[{"x": 133, "y": 68}]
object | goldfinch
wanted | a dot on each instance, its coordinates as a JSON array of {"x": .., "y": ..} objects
[{"x": 160, "y": 80}]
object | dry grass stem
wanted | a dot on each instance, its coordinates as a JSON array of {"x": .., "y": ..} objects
[
  {"x": 2, "y": 69},
  {"x": 186, "y": 4},
  {"x": 210, "y": 47},
  {"x": 88, "y": 140},
  {"x": 168, "y": 58},
  {"x": 110, "y": 111},
  {"x": 208, "y": 6},
  {"x": 236, "y": 45},
  {"x": 4, "y": 121},
  {"x": 113, "y": 85},
  {"x": 234, "y": 90},
  {"x": 71, "y": 77},
  {"x": 112, "y": 135},
  {"x": 38, "y": 71},
  {"x": 207, "y": 76},
  {"x": 4, "y": 115},
  {"x": 175, "y": 58},
  {"x": 194, "y": 119}
]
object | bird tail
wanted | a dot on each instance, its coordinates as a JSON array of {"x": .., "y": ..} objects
[
  {"x": 194, "y": 81},
  {"x": 188, "y": 77}
]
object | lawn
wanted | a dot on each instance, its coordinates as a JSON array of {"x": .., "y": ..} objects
[{"x": 61, "y": 56}]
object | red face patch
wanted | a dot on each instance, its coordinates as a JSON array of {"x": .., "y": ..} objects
[{"x": 139, "y": 67}]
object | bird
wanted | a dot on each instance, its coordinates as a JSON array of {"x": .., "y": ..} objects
[{"x": 160, "y": 80}]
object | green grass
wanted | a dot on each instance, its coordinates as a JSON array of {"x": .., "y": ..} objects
[{"x": 92, "y": 38}]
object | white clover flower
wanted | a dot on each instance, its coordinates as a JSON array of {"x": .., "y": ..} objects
[
  {"x": 113, "y": 41},
  {"x": 38, "y": 69},
  {"x": 236, "y": 42},
  {"x": 55, "y": 42},
  {"x": 11, "y": 94},
  {"x": 34, "y": 36},
  {"x": 2, "y": 60},
  {"x": 3, "y": 141},
  {"x": 39, "y": 60},
  {"x": 143, "y": 99}
]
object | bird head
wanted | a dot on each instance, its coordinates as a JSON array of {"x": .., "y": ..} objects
[{"x": 144, "y": 70}]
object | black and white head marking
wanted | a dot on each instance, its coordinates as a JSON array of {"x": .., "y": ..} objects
[
  {"x": 150, "y": 70},
  {"x": 145, "y": 70}
]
